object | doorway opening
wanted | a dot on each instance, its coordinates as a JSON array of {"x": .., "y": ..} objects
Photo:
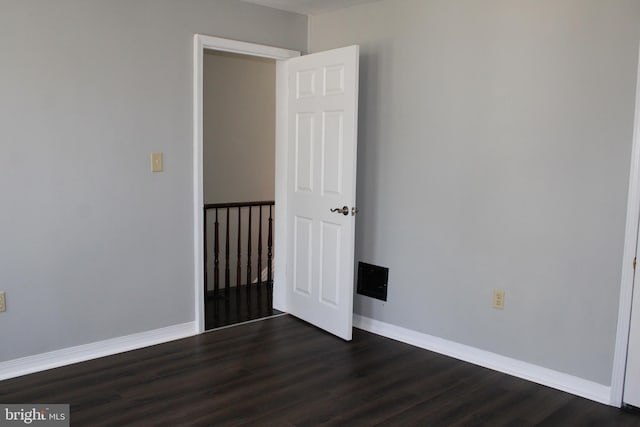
[
  {"x": 316, "y": 100},
  {"x": 239, "y": 103},
  {"x": 202, "y": 43}
]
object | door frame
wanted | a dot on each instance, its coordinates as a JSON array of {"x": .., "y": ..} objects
[
  {"x": 200, "y": 43},
  {"x": 630, "y": 251}
]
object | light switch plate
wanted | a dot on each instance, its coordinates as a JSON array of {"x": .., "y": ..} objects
[{"x": 157, "y": 162}]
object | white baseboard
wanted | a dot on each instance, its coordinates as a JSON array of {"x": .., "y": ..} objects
[
  {"x": 548, "y": 377},
  {"x": 66, "y": 356}
]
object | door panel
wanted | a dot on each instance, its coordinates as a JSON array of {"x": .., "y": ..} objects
[
  {"x": 322, "y": 117},
  {"x": 304, "y": 152},
  {"x": 302, "y": 255},
  {"x": 330, "y": 263},
  {"x": 332, "y": 148}
]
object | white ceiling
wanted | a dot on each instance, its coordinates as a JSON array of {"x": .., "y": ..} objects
[{"x": 309, "y": 7}]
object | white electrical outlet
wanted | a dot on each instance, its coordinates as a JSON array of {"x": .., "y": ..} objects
[
  {"x": 498, "y": 299},
  {"x": 3, "y": 302}
]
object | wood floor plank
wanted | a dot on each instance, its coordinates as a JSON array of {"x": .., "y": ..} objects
[{"x": 284, "y": 372}]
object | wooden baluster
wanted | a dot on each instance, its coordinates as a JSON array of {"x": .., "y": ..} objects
[
  {"x": 239, "y": 254},
  {"x": 260, "y": 248},
  {"x": 270, "y": 249},
  {"x": 216, "y": 258},
  {"x": 249, "y": 253},
  {"x": 227, "y": 271},
  {"x": 205, "y": 255}
]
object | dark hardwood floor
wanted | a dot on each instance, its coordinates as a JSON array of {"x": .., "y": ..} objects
[
  {"x": 250, "y": 303},
  {"x": 284, "y": 372}
]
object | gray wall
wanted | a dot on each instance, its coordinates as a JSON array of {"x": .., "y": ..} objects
[
  {"x": 239, "y": 128},
  {"x": 494, "y": 152},
  {"x": 92, "y": 244}
]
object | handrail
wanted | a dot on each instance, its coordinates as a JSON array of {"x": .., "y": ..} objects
[{"x": 238, "y": 204}]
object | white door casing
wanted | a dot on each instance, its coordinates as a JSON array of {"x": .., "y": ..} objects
[
  {"x": 321, "y": 175},
  {"x": 202, "y": 42},
  {"x": 631, "y": 391},
  {"x": 625, "y": 381}
]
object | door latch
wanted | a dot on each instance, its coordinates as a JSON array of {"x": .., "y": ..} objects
[{"x": 343, "y": 210}]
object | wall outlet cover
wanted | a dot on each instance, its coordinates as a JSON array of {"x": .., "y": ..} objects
[{"x": 498, "y": 299}]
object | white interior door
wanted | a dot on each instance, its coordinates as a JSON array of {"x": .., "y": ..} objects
[
  {"x": 632, "y": 375},
  {"x": 322, "y": 133},
  {"x": 631, "y": 391}
]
